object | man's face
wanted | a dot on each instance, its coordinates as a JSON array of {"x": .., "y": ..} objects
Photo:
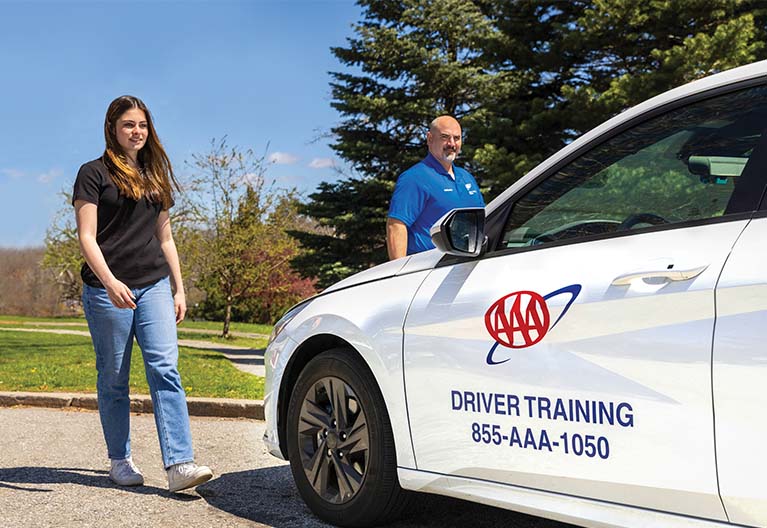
[{"x": 445, "y": 140}]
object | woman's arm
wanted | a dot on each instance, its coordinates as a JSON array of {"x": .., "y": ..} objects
[
  {"x": 87, "y": 219},
  {"x": 165, "y": 236}
]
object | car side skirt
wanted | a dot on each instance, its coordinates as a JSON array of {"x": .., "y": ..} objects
[{"x": 555, "y": 506}]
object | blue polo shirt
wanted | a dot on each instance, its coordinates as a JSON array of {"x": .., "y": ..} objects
[{"x": 424, "y": 193}]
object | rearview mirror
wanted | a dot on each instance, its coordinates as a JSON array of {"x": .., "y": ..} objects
[
  {"x": 460, "y": 232},
  {"x": 716, "y": 169}
]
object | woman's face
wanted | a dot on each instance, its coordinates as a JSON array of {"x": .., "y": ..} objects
[{"x": 132, "y": 131}]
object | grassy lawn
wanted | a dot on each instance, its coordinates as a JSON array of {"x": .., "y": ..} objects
[
  {"x": 11, "y": 320},
  {"x": 217, "y": 326},
  {"x": 248, "y": 342},
  {"x": 213, "y": 328},
  {"x": 66, "y": 363}
]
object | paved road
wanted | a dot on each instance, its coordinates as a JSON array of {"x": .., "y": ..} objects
[{"x": 53, "y": 473}]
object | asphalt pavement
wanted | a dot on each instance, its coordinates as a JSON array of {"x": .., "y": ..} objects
[{"x": 54, "y": 473}]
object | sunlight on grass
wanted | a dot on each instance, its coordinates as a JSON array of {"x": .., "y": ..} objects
[
  {"x": 218, "y": 326},
  {"x": 212, "y": 329},
  {"x": 63, "y": 363},
  {"x": 247, "y": 342}
]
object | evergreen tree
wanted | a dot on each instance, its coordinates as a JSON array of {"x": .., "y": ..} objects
[
  {"x": 412, "y": 60},
  {"x": 524, "y": 77},
  {"x": 634, "y": 50},
  {"x": 524, "y": 120}
]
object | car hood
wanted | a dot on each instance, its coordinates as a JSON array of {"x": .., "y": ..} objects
[{"x": 410, "y": 264}]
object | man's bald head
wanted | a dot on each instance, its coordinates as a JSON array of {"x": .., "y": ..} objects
[
  {"x": 444, "y": 140},
  {"x": 443, "y": 121}
]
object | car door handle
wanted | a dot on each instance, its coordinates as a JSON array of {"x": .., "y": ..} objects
[{"x": 668, "y": 274}]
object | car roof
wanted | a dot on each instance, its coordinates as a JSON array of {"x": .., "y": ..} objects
[{"x": 725, "y": 78}]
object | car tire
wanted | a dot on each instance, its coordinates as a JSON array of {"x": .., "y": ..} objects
[{"x": 340, "y": 443}]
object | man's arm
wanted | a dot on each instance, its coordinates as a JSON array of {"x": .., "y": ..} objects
[{"x": 396, "y": 238}]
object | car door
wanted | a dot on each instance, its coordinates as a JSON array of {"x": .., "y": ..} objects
[
  {"x": 740, "y": 378},
  {"x": 575, "y": 355}
]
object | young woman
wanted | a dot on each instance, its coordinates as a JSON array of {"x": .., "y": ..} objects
[{"x": 121, "y": 203}]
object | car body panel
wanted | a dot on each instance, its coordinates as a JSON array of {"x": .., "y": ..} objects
[
  {"x": 563, "y": 508},
  {"x": 370, "y": 318},
  {"x": 740, "y": 378},
  {"x": 382, "y": 271},
  {"x": 646, "y": 346}
]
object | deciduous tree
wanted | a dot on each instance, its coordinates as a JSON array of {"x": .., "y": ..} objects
[
  {"x": 232, "y": 235},
  {"x": 62, "y": 255}
]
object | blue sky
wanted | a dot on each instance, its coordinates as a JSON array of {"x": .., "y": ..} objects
[{"x": 255, "y": 71}]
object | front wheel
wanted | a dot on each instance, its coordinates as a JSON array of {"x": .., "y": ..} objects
[{"x": 340, "y": 443}]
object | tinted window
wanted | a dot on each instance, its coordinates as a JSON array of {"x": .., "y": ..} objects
[{"x": 681, "y": 166}]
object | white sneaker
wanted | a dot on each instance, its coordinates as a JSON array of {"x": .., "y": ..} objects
[
  {"x": 125, "y": 473},
  {"x": 187, "y": 475}
]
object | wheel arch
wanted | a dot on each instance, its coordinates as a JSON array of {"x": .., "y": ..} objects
[{"x": 303, "y": 354}]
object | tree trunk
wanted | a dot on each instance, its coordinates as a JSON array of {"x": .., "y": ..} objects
[{"x": 227, "y": 317}]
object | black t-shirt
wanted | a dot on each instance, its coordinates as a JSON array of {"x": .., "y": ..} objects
[{"x": 125, "y": 231}]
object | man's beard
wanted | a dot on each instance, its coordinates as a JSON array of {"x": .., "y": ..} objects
[{"x": 449, "y": 155}]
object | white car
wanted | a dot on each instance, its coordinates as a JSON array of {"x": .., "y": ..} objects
[{"x": 593, "y": 351}]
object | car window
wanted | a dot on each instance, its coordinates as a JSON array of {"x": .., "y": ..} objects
[{"x": 680, "y": 166}]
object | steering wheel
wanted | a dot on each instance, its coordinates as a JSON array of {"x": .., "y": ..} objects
[
  {"x": 579, "y": 228},
  {"x": 641, "y": 218}
]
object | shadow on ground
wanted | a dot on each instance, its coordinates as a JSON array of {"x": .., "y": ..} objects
[
  {"x": 269, "y": 496},
  {"x": 34, "y": 479}
]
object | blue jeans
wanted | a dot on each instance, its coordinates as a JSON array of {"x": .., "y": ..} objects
[{"x": 153, "y": 323}]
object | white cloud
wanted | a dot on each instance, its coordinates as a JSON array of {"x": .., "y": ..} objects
[
  {"x": 45, "y": 177},
  {"x": 12, "y": 173},
  {"x": 322, "y": 163},
  {"x": 252, "y": 178},
  {"x": 282, "y": 158},
  {"x": 48, "y": 177}
]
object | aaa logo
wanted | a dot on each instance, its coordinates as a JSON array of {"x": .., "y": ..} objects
[
  {"x": 518, "y": 320},
  {"x": 522, "y": 319}
]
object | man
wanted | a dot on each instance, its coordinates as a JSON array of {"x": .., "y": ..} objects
[{"x": 428, "y": 190}]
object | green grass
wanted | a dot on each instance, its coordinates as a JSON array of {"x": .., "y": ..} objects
[
  {"x": 65, "y": 363},
  {"x": 248, "y": 342},
  {"x": 213, "y": 327},
  {"x": 14, "y": 319},
  {"x": 210, "y": 337},
  {"x": 217, "y": 326}
]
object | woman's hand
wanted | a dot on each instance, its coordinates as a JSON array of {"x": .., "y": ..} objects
[
  {"x": 179, "y": 303},
  {"x": 120, "y": 295}
]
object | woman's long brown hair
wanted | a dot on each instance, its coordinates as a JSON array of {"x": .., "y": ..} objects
[{"x": 158, "y": 180}]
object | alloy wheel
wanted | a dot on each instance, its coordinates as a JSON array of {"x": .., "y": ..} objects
[{"x": 333, "y": 440}]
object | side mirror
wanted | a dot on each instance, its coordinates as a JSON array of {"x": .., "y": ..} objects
[{"x": 460, "y": 232}]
